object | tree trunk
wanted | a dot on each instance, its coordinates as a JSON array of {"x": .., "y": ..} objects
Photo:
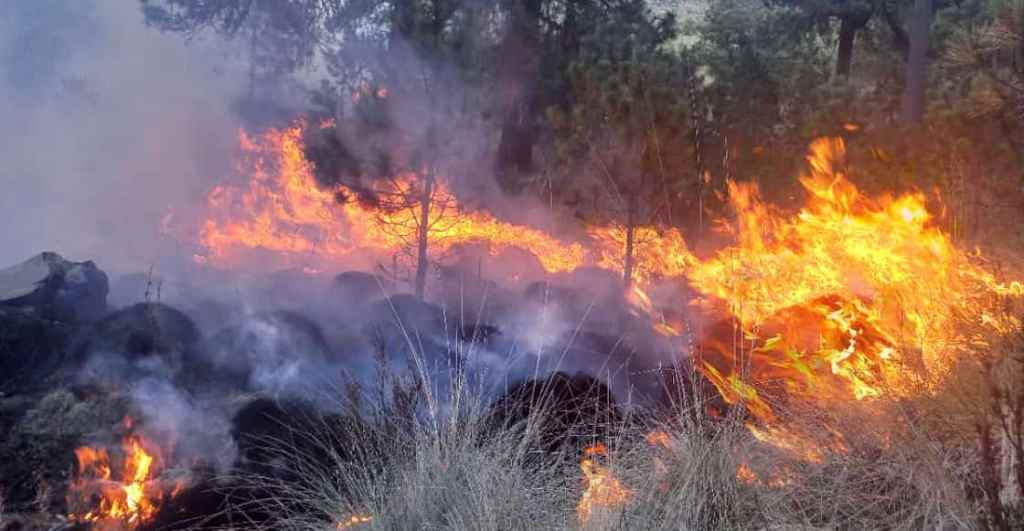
[
  {"x": 847, "y": 33},
  {"x": 423, "y": 236},
  {"x": 627, "y": 269},
  {"x": 917, "y": 63},
  {"x": 519, "y": 78}
]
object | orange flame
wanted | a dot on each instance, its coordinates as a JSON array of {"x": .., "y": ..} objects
[
  {"x": 745, "y": 474},
  {"x": 353, "y": 521},
  {"x": 123, "y": 503},
  {"x": 853, "y": 298},
  {"x": 657, "y": 252},
  {"x": 283, "y": 210},
  {"x": 603, "y": 489}
]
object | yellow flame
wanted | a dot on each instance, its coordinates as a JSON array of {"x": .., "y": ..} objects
[{"x": 603, "y": 490}]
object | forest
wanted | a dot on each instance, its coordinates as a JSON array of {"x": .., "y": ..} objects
[{"x": 534, "y": 264}]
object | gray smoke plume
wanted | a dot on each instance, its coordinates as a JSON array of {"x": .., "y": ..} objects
[{"x": 106, "y": 124}]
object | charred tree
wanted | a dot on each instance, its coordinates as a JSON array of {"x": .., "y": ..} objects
[
  {"x": 519, "y": 51},
  {"x": 631, "y": 215},
  {"x": 850, "y": 23},
  {"x": 914, "y": 97},
  {"x": 423, "y": 236}
]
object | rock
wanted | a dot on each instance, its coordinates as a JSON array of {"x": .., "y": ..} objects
[
  {"x": 73, "y": 292},
  {"x": 32, "y": 348}
]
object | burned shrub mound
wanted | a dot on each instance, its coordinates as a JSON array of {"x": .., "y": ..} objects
[
  {"x": 143, "y": 338},
  {"x": 57, "y": 289},
  {"x": 545, "y": 292},
  {"x": 357, "y": 287},
  {"x": 612, "y": 358},
  {"x": 395, "y": 322},
  {"x": 32, "y": 348},
  {"x": 570, "y": 411},
  {"x": 213, "y": 503},
  {"x": 267, "y": 430},
  {"x": 267, "y": 352}
]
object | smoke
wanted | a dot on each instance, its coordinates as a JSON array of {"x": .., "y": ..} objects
[
  {"x": 200, "y": 431},
  {"x": 111, "y": 125},
  {"x": 107, "y": 124}
]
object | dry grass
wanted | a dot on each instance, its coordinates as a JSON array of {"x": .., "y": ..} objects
[{"x": 902, "y": 464}]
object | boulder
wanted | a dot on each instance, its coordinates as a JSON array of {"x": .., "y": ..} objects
[{"x": 74, "y": 292}]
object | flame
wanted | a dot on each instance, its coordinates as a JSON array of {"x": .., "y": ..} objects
[
  {"x": 283, "y": 210},
  {"x": 851, "y": 299},
  {"x": 353, "y": 521},
  {"x": 659, "y": 438},
  {"x": 658, "y": 252},
  {"x": 603, "y": 489},
  {"x": 118, "y": 503},
  {"x": 745, "y": 474}
]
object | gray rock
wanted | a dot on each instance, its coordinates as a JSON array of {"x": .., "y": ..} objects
[{"x": 73, "y": 292}]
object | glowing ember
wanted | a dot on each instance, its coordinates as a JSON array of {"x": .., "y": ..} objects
[
  {"x": 353, "y": 521},
  {"x": 603, "y": 489},
  {"x": 117, "y": 503},
  {"x": 284, "y": 211}
]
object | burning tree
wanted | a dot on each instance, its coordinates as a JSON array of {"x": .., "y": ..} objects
[
  {"x": 390, "y": 153},
  {"x": 394, "y": 135}
]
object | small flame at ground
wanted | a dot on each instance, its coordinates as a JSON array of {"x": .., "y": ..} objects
[
  {"x": 121, "y": 503},
  {"x": 353, "y": 521},
  {"x": 603, "y": 489}
]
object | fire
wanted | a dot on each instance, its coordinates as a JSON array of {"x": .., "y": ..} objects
[
  {"x": 353, "y": 521},
  {"x": 745, "y": 474},
  {"x": 283, "y": 210},
  {"x": 603, "y": 489},
  {"x": 659, "y": 438},
  {"x": 851, "y": 299},
  {"x": 117, "y": 503},
  {"x": 657, "y": 252}
]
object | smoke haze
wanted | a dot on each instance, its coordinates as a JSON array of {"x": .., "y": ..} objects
[{"x": 107, "y": 123}]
